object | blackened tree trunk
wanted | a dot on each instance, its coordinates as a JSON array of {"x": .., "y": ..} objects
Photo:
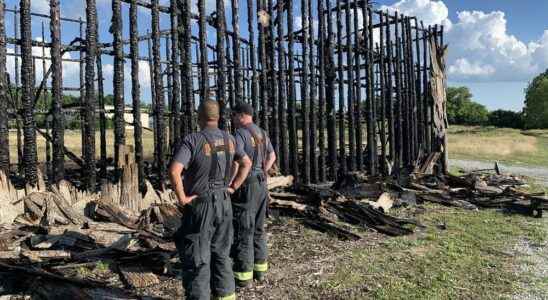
[
  {"x": 221, "y": 61},
  {"x": 4, "y": 120},
  {"x": 136, "y": 91},
  {"x": 119, "y": 124},
  {"x": 158, "y": 86},
  {"x": 27, "y": 80},
  {"x": 89, "y": 112}
]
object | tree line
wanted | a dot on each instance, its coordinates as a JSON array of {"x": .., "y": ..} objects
[{"x": 462, "y": 110}]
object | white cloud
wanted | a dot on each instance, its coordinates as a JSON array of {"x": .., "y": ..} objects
[
  {"x": 428, "y": 11},
  {"x": 40, "y": 6},
  {"x": 480, "y": 47}
]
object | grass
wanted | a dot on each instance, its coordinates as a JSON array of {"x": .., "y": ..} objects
[
  {"x": 509, "y": 145},
  {"x": 73, "y": 142},
  {"x": 467, "y": 260}
]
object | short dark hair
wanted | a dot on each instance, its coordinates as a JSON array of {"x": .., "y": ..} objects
[{"x": 243, "y": 108}]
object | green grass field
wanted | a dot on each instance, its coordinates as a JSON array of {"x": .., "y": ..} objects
[{"x": 512, "y": 146}]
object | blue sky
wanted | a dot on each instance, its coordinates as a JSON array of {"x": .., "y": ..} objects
[{"x": 495, "y": 46}]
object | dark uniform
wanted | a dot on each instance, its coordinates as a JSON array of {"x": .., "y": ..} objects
[
  {"x": 206, "y": 233},
  {"x": 250, "y": 203}
]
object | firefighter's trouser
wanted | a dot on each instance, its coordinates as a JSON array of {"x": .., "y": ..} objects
[
  {"x": 249, "y": 250},
  {"x": 203, "y": 241}
]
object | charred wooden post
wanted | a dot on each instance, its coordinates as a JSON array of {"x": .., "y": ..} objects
[
  {"x": 390, "y": 91},
  {"x": 291, "y": 97},
  {"x": 313, "y": 99},
  {"x": 262, "y": 22},
  {"x": 204, "y": 66},
  {"x": 159, "y": 93},
  {"x": 425, "y": 96},
  {"x": 342, "y": 143},
  {"x": 175, "y": 88},
  {"x": 330, "y": 78},
  {"x": 102, "y": 118},
  {"x": 305, "y": 98},
  {"x": 358, "y": 93},
  {"x": 27, "y": 80},
  {"x": 221, "y": 61},
  {"x": 4, "y": 88},
  {"x": 18, "y": 104},
  {"x": 419, "y": 91},
  {"x": 273, "y": 82},
  {"x": 350, "y": 88},
  {"x": 186, "y": 70},
  {"x": 238, "y": 87},
  {"x": 320, "y": 161},
  {"x": 136, "y": 91},
  {"x": 252, "y": 58},
  {"x": 398, "y": 106},
  {"x": 371, "y": 108},
  {"x": 118, "y": 81},
  {"x": 88, "y": 150},
  {"x": 412, "y": 88},
  {"x": 284, "y": 138},
  {"x": 383, "y": 97}
]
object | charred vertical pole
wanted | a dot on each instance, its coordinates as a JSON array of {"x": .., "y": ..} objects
[
  {"x": 102, "y": 117},
  {"x": 425, "y": 95},
  {"x": 47, "y": 116},
  {"x": 412, "y": 96},
  {"x": 4, "y": 88},
  {"x": 186, "y": 72},
  {"x": 158, "y": 85},
  {"x": 262, "y": 57},
  {"x": 118, "y": 82},
  {"x": 18, "y": 104},
  {"x": 383, "y": 96},
  {"x": 340, "y": 68},
  {"x": 175, "y": 88},
  {"x": 151, "y": 68},
  {"x": 284, "y": 146},
  {"x": 27, "y": 80},
  {"x": 358, "y": 87},
  {"x": 136, "y": 90},
  {"x": 330, "y": 92},
  {"x": 305, "y": 98},
  {"x": 313, "y": 103},
  {"x": 293, "y": 154},
  {"x": 350, "y": 87},
  {"x": 252, "y": 58},
  {"x": 371, "y": 107},
  {"x": 320, "y": 162},
  {"x": 398, "y": 106},
  {"x": 167, "y": 72},
  {"x": 273, "y": 82},
  {"x": 238, "y": 92},
  {"x": 221, "y": 61},
  {"x": 89, "y": 112},
  {"x": 418, "y": 90},
  {"x": 390, "y": 91},
  {"x": 204, "y": 67}
]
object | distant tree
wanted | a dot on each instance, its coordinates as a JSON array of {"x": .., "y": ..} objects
[
  {"x": 536, "y": 103},
  {"x": 506, "y": 118},
  {"x": 462, "y": 110}
]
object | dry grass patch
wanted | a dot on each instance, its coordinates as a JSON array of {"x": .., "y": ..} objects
[{"x": 504, "y": 145}]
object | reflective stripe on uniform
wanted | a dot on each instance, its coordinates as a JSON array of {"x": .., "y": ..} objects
[
  {"x": 227, "y": 297},
  {"x": 243, "y": 276},
  {"x": 260, "y": 267}
]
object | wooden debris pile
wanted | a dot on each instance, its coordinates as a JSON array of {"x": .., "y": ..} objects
[{"x": 478, "y": 190}]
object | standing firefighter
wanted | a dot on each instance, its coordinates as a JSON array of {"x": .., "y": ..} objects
[
  {"x": 206, "y": 233},
  {"x": 250, "y": 203}
]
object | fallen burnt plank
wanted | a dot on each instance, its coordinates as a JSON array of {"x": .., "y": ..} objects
[
  {"x": 326, "y": 226},
  {"x": 105, "y": 211},
  {"x": 137, "y": 276}
]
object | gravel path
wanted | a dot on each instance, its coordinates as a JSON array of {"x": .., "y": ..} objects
[{"x": 540, "y": 174}]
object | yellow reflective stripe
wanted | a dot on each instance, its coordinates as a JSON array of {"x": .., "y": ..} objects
[
  {"x": 243, "y": 276},
  {"x": 260, "y": 267},
  {"x": 227, "y": 297}
]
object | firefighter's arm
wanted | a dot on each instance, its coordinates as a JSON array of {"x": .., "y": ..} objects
[
  {"x": 176, "y": 170},
  {"x": 270, "y": 160},
  {"x": 243, "y": 168}
]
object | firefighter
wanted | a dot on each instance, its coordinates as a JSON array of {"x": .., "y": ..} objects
[
  {"x": 200, "y": 174},
  {"x": 250, "y": 202}
]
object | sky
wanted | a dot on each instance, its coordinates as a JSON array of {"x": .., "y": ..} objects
[{"x": 495, "y": 46}]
